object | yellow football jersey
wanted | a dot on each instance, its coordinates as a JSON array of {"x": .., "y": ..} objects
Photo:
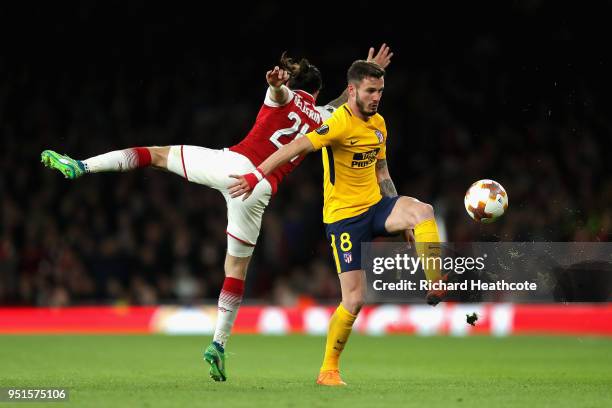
[{"x": 350, "y": 150}]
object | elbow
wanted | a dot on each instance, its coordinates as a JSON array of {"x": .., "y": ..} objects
[{"x": 304, "y": 145}]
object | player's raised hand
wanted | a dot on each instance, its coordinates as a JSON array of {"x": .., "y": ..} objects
[
  {"x": 382, "y": 57},
  {"x": 277, "y": 77}
]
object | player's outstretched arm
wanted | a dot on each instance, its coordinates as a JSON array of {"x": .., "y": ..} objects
[
  {"x": 246, "y": 183},
  {"x": 382, "y": 58}
]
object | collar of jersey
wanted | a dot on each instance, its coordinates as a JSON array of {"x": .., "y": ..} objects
[
  {"x": 355, "y": 116},
  {"x": 301, "y": 90}
]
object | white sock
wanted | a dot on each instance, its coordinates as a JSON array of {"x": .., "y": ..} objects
[
  {"x": 118, "y": 160},
  {"x": 227, "y": 310}
]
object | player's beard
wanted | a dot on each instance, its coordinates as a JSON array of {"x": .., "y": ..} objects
[{"x": 362, "y": 106}]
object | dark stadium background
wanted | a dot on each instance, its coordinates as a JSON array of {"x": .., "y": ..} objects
[{"x": 518, "y": 93}]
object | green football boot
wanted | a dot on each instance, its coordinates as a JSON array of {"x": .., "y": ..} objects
[
  {"x": 215, "y": 356},
  {"x": 70, "y": 168}
]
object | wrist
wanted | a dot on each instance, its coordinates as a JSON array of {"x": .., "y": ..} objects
[
  {"x": 254, "y": 177},
  {"x": 259, "y": 174},
  {"x": 276, "y": 88}
]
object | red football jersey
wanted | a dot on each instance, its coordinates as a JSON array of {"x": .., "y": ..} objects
[{"x": 276, "y": 126}]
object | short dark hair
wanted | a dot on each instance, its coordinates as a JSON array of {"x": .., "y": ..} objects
[
  {"x": 302, "y": 75},
  {"x": 361, "y": 69}
]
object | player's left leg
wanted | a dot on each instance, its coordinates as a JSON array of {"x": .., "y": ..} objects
[
  {"x": 243, "y": 225},
  {"x": 410, "y": 213},
  {"x": 236, "y": 264}
]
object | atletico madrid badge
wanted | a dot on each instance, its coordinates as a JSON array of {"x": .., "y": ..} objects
[
  {"x": 348, "y": 257},
  {"x": 380, "y": 136}
]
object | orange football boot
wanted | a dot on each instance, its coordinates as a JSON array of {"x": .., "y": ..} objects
[
  {"x": 330, "y": 378},
  {"x": 434, "y": 297}
]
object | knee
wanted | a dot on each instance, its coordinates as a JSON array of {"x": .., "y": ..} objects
[
  {"x": 159, "y": 156},
  {"x": 353, "y": 302},
  {"x": 423, "y": 212},
  {"x": 416, "y": 213}
]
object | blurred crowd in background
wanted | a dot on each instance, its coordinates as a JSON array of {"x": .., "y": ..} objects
[{"x": 527, "y": 107}]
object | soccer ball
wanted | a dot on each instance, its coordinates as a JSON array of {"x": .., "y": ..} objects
[{"x": 485, "y": 201}]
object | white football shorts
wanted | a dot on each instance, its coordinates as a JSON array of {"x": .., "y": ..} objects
[{"x": 212, "y": 168}]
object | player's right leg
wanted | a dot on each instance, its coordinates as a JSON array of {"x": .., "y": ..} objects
[
  {"x": 117, "y": 160},
  {"x": 209, "y": 167},
  {"x": 345, "y": 238}
]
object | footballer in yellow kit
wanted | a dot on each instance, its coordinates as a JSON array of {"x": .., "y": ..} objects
[
  {"x": 360, "y": 200},
  {"x": 354, "y": 211}
]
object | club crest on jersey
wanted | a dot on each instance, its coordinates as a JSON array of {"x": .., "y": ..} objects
[
  {"x": 322, "y": 130},
  {"x": 348, "y": 257},
  {"x": 379, "y": 135}
]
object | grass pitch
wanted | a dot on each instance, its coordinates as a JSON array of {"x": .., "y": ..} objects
[{"x": 152, "y": 371}]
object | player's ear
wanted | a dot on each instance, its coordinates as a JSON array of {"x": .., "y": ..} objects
[{"x": 351, "y": 89}]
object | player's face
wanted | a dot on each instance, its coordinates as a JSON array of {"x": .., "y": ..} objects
[{"x": 368, "y": 94}]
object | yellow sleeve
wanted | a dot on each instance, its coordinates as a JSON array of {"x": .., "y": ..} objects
[
  {"x": 382, "y": 154},
  {"x": 331, "y": 132}
]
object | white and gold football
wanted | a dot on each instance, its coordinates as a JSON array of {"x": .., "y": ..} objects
[{"x": 485, "y": 201}]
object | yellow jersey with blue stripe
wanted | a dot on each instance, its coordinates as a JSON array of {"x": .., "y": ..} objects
[{"x": 350, "y": 147}]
